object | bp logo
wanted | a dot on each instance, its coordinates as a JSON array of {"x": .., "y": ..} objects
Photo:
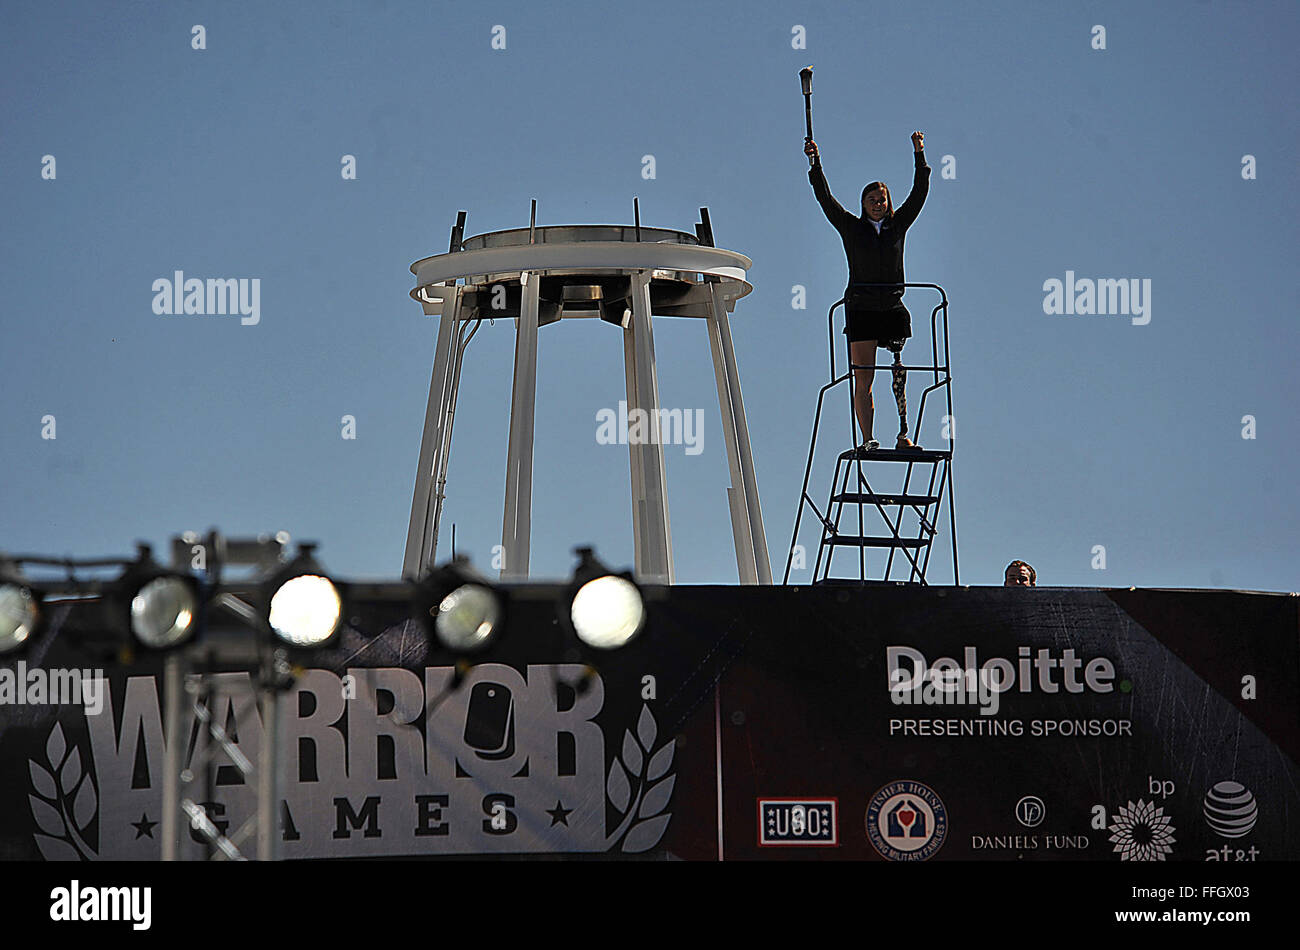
[
  {"x": 1142, "y": 831},
  {"x": 906, "y": 821}
]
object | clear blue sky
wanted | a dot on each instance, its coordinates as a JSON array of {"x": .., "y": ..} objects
[{"x": 1073, "y": 431}]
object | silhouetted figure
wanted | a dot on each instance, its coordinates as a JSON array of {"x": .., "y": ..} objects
[{"x": 875, "y": 316}]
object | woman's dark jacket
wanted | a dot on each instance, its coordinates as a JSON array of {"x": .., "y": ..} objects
[{"x": 874, "y": 258}]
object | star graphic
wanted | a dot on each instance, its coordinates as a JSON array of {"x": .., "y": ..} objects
[
  {"x": 559, "y": 814},
  {"x": 143, "y": 827}
]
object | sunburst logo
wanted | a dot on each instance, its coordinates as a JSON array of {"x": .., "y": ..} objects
[{"x": 1142, "y": 832}]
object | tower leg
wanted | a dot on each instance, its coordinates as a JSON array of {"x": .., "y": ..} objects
[
  {"x": 421, "y": 542},
  {"x": 517, "y": 522},
  {"x": 654, "y": 535},
  {"x": 742, "y": 534},
  {"x": 642, "y": 560},
  {"x": 449, "y": 427},
  {"x": 749, "y": 483}
]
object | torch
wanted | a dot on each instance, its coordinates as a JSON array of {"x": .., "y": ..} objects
[{"x": 805, "y": 79}]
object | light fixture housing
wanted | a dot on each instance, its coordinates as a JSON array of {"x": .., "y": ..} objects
[
  {"x": 158, "y": 608},
  {"x": 459, "y": 608},
  {"x": 22, "y": 610},
  {"x": 302, "y": 606},
  {"x": 604, "y": 609}
]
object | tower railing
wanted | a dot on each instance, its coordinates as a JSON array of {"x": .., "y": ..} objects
[{"x": 863, "y": 496}]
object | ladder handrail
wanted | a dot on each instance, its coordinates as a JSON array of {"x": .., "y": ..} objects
[
  {"x": 943, "y": 305},
  {"x": 807, "y": 472},
  {"x": 942, "y": 378}
]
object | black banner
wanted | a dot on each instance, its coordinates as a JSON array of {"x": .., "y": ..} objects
[{"x": 884, "y": 724}]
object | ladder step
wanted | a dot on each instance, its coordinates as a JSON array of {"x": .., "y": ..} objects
[
  {"x": 897, "y": 455},
  {"x": 873, "y": 542},
  {"x": 869, "y": 498},
  {"x": 854, "y": 582}
]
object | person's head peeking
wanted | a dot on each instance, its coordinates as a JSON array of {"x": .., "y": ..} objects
[
  {"x": 1019, "y": 574},
  {"x": 876, "y": 203}
]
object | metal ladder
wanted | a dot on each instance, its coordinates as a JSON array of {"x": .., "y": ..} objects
[{"x": 909, "y": 546}]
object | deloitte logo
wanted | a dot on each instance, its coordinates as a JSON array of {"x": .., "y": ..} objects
[
  {"x": 906, "y": 821},
  {"x": 1230, "y": 810}
]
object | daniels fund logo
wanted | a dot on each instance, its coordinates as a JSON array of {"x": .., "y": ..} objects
[
  {"x": 906, "y": 821},
  {"x": 1030, "y": 811}
]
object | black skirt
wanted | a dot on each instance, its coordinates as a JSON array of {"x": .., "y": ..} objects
[{"x": 893, "y": 325}]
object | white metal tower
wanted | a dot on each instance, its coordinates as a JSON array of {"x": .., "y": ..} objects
[{"x": 624, "y": 275}]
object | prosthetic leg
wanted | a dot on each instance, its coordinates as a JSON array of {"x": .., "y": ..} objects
[{"x": 900, "y": 394}]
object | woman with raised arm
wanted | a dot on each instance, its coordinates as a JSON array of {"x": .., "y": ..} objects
[{"x": 875, "y": 316}]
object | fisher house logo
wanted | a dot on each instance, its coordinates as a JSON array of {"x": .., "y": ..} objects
[
  {"x": 391, "y": 763},
  {"x": 906, "y": 821}
]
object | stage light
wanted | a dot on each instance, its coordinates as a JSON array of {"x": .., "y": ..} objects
[
  {"x": 605, "y": 609},
  {"x": 164, "y": 612},
  {"x": 160, "y": 608},
  {"x": 607, "y": 612},
  {"x": 304, "y": 608},
  {"x": 467, "y": 617},
  {"x": 20, "y": 615},
  {"x": 459, "y": 607}
]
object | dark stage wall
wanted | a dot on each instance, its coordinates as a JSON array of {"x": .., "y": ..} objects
[{"x": 747, "y": 723}]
